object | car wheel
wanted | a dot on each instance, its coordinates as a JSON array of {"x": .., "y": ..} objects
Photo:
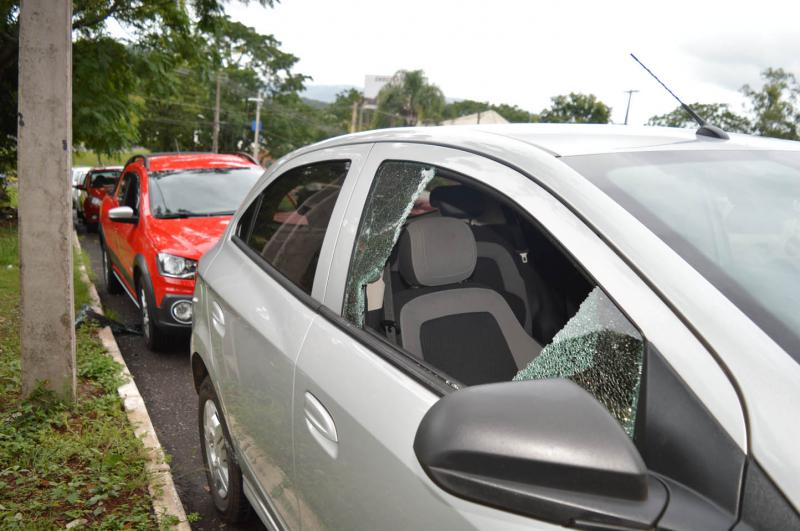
[
  {"x": 154, "y": 336},
  {"x": 112, "y": 284},
  {"x": 90, "y": 227},
  {"x": 222, "y": 471}
]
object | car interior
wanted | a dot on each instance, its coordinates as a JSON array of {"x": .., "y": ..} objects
[
  {"x": 464, "y": 249},
  {"x": 478, "y": 291}
]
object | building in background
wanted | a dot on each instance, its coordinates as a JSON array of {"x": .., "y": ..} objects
[{"x": 484, "y": 117}]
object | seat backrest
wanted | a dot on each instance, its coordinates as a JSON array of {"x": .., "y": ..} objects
[
  {"x": 462, "y": 328},
  {"x": 500, "y": 265},
  {"x": 496, "y": 266}
]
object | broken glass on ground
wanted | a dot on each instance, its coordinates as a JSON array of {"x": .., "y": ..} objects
[
  {"x": 396, "y": 187},
  {"x": 600, "y": 350}
]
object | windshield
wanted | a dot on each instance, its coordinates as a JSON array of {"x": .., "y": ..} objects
[
  {"x": 200, "y": 192},
  {"x": 106, "y": 179},
  {"x": 733, "y": 215}
]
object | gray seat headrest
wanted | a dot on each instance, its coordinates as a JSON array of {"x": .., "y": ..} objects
[
  {"x": 435, "y": 251},
  {"x": 458, "y": 201}
]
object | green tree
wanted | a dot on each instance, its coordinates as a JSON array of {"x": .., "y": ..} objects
[
  {"x": 108, "y": 74},
  {"x": 775, "y": 105},
  {"x": 248, "y": 64},
  {"x": 340, "y": 112},
  {"x": 576, "y": 108},
  {"x": 718, "y": 114},
  {"x": 408, "y": 100}
]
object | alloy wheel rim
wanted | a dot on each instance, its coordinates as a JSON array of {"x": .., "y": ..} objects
[
  {"x": 216, "y": 449},
  {"x": 145, "y": 313}
]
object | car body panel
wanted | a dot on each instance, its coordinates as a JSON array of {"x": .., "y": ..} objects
[
  {"x": 185, "y": 237},
  {"x": 190, "y": 237},
  {"x": 747, "y": 383},
  {"x": 375, "y": 481},
  {"x": 255, "y": 346},
  {"x": 377, "y": 433},
  {"x": 768, "y": 383}
]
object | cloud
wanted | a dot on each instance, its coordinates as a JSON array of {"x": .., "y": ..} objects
[{"x": 731, "y": 60}]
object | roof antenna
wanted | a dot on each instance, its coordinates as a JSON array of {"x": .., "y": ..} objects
[{"x": 704, "y": 129}]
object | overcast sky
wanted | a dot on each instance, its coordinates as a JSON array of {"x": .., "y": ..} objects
[{"x": 523, "y": 52}]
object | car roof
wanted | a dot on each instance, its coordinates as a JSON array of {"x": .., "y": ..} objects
[
  {"x": 106, "y": 168},
  {"x": 185, "y": 161},
  {"x": 563, "y": 140}
]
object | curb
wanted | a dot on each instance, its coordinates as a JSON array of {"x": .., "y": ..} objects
[{"x": 160, "y": 484}]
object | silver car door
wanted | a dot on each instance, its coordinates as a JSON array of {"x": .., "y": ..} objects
[
  {"x": 358, "y": 402},
  {"x": 356, "y": 411},
  {"x": 258, "y": 320}
]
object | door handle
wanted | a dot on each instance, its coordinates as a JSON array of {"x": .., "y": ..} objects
[
  {"x": 217, "y": 319},
  {"x": 321, "y": 426}
]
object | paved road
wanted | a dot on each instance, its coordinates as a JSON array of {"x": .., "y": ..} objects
[{"x": 165, "y": 382}]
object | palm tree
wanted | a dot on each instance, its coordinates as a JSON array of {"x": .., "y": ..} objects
[{"x": 408, "y": 100}]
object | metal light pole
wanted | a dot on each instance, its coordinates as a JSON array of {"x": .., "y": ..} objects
[
  {"x": 258, "y": 101},
  {"x": 628, "y": 108}
]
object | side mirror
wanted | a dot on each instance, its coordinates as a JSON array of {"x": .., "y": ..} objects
[
  {"x": 123, "y": 214},
  {"x": 541, "y": 448}
]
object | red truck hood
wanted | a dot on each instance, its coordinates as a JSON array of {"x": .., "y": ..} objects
[{"x": 187, "y": 237}]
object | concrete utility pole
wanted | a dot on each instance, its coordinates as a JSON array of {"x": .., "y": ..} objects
[
  {"x": 258, "y": 101},
  {"x": 354, "y": 118},
  {"x": 628, "y": 108},
  {"x": 44, "y": 156},
  {"x": 215, "y": 134}
]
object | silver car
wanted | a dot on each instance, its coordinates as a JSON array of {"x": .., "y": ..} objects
[
  {"x": 78, "y": 174},
  {"x": 508, "y": 327}
]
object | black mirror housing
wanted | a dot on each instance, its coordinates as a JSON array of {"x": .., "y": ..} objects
[{"x": 541, "y": 448}]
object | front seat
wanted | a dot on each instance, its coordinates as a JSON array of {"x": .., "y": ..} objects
[
  {"x": 500, "y": 265},
  {"x": 463, "y": 328}
]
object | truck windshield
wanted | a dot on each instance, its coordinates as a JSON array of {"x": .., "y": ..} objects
[
  {"x": 200, "y": 192},
  {"x": 733, "y": 215}
]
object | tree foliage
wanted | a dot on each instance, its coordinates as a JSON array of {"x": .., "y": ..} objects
[
  {"x": 774, "y": 109},
  {"x": 117, "y": 83},
  {"x": 408, "y": 100},
  {"x": 576, "y": 108},
  {"x": 718, "y": 114},
  {"x": 775, "y": 106}
]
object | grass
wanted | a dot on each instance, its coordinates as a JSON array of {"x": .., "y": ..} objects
[
  {"x": 62, "y": 462},
  {"x": 90, "y": 158}
]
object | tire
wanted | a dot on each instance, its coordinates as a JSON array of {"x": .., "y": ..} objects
[
  {"x": 90, "y": 227},
  {"x": 112, "y": 284},
  {"x": 223, "y": 474},
  {"x": 154, "y": 337}
]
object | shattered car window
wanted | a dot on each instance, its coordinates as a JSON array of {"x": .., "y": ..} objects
[
  {"x": 396, "y": 188},
  {"x": 600, "y": 350}
]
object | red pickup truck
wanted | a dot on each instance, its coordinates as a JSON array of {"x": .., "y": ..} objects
[{"x": 165, "y": 212}]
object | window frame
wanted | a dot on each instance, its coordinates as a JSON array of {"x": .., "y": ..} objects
[
  {"x": 357, "y": 156},
  {"x": 122, "y": 184},
  {"x": 242, "y": 242}
]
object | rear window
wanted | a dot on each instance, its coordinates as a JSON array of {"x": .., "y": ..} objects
[
  {"x": 104, "y": 179},
  {"x": 200, "y": 192}
]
